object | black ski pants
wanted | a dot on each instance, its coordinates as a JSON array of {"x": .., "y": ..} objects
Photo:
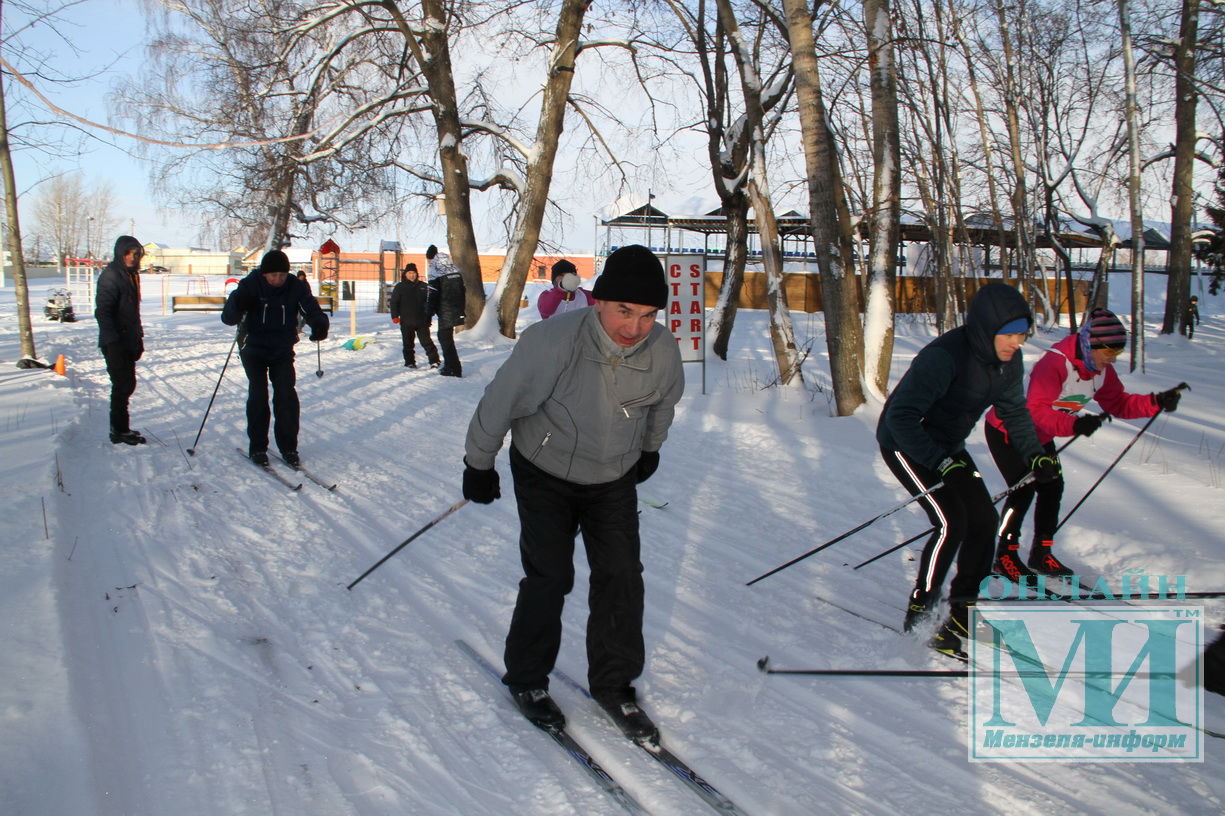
[
  {"x": 121, "y": 368},
  {"x": 965, "y": 522},
  {"x": 450, "y": 357},
  {"x": 551, "y": 512},
  {"x": 280, "y": 372},
  {"x": 409, "y": 335},
  {"x": 1013, "y": 469}
]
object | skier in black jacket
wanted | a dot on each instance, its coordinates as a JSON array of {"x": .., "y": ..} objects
[
  {"x": 922, "y": 432},
  {"x": 446, "y": 299},
  {"x": 120, "y": 334},
  {"x": 267, "y": 303},
  {"x": 407, "y": 306}
]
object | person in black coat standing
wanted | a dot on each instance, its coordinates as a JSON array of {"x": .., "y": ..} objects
[
  {"x": 446, "y": 300},
  {"x": 267, "y": 303},
  {"x": 407, "y": 307},
  {"x": 922, "y": 432},
  {"x": 120, "y": 334}
]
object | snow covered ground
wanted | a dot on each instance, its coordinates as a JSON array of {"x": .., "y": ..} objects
[{"x": 178, "y": 637}]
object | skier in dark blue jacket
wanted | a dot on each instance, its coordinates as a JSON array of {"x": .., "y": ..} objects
[
  {"x": 922, "y": 432},
  {"x": 267, "y": 303}
]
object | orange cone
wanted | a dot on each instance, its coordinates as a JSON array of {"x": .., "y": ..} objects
[{"x": 59, "y": 366}]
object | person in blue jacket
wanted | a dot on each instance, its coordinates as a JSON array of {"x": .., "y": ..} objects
[
  {"x": 267, "y": 303},
  {"x": 922, "y": 432}
]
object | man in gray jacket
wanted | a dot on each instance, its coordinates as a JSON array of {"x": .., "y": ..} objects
[{"x": 588, "y": 397}]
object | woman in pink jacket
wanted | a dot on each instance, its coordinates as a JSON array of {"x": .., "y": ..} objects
[
  {"x": 1077, "y": 369},
  {"x": 565, "y": 294}
]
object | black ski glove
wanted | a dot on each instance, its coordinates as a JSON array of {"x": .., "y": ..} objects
[
  {"x": 1087, "y": 424},
  {"x": 956, "y": 472},
  {"x": 318, "y": 334},
  {"x": 647, "y": 463},
  {"x": 246, "y": 302},
  {"x": 1045, "y": 467},
  {"x": 481, "y": 486},
  {"x": 1167, "y": 400}
]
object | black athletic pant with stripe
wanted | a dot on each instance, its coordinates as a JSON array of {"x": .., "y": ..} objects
[
  {"x": 965, "y": 522},
  {"x": 1013, "y": 468}
]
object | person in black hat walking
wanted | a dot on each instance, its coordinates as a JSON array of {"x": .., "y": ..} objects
[
  {"x": 1190, "y": 318},
  {"x": 120, "y": 334},
  {"x": 407, "y": 306},
  {"x": 267, "y": 303},
  {"x": 922, "y": 432},
  {"x": 1078, "y": 368},
  {"x": 587, "y": 397}
]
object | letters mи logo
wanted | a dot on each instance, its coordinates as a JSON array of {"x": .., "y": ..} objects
[{"x": 1073, "y": 683}]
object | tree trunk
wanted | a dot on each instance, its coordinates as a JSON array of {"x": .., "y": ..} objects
[
  {"x": 435, "y": 65},
  {"x": 884, "y": 225},
  {"x": 735, "y": 209},
  {"x": 1133, "y": 191},
  {"x": 21, "y": 289},
  {"x": 1178, "y": 260},
  {"x": 831, "y": 222},
  {"x": 530, "y": 209}
]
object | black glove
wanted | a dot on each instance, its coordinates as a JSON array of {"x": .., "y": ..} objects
[
  {"x": 647, "y": 463},
  {"x": 1167, "y": 400},
  {"x": 956, "y": 472},
  {"x": 1087, "y": 424},
  {"x": 1045, "y": 467},
  {"x": 246, "y": 302},
  {"x": 318, "y": 334},
  {"x": 481, "y": 486}
]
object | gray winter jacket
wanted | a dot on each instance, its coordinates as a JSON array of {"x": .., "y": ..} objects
[{"x": 577, "y": 405}]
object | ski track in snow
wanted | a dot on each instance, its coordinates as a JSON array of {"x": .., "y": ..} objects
[{"x": 217, "y": 664}]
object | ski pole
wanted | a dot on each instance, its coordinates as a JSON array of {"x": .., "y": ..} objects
[
  {"x": 1026, "y": 479},
  {"x": 318, "y": 360},
  {"x": 766, "y": 668},
  {"x": 1134, "y": 439},
  {"x": 406, "y": 541},
  {"x": 192, "y": 449},
  {"x": 848, "y": 533}
]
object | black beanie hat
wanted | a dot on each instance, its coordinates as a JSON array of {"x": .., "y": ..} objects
[
  {"x": 562, "y": 267},
  {"x": 632, "y": 274},
  {"x": 274, "y": 261}
]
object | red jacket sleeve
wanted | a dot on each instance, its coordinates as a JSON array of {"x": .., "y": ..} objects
[{"x": 1118, "y": 402}]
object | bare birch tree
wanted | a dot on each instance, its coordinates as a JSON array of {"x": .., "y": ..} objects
[{"x": 833, "y": 241}]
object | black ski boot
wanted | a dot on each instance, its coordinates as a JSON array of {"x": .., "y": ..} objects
[
  {"x": 539, "y": 708},
  {"x": 917, "y": 609},
  {"x": 949, "y": 638},
  {"x": 128, "y": 437},
  {"x": 259, "y": 457},
  {"x": 1041, "y": 559},
  {"x": 1008, "y": 562},
  {"x": 623, "y": 709},
  {"x": 291, "y": 458}
]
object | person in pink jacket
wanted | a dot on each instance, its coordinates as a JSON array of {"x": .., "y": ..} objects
[
  {"x": 565, "y": 294},
  {"x": 1077, "y": 369}
]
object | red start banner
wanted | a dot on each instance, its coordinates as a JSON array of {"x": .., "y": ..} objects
[{"x": 686, "y": 316}]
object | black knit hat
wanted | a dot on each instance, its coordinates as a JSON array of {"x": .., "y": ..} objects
[
  {"x": 562, "y": 267},
  {"x": 632, "y": 274},
  {"x": 274, "y": 261}
]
